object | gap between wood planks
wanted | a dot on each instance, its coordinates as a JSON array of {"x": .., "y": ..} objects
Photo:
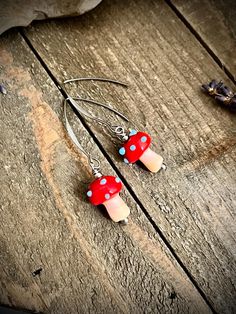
[
  {"x": 132, "y": 193},
  {"x": 201, "y": 40}
]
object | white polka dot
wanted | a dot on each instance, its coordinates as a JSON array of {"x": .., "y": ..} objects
[
  {"x": 103, "y": 181},
  {"x": 117, "y": 179},
  {"x": 122, "y": 151},
  {"x": 132, "y": 148},
  {"x": 143, "y": 139},
  {"x": 132, "y": 132},
  {"x": 107, "y": 196},
  {"x": 126, "y": 161},
  {"x": 89, "y": 193}
]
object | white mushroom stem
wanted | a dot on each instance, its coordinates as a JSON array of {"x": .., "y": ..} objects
[
  {"x": 151, "y": 160},
  {"x": 116, "y": 208}
]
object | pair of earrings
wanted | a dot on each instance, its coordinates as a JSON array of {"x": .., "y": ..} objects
[{"x": 135, "y": 146}]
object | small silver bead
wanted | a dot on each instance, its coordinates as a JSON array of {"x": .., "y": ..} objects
[
  {"x": 124, "y": 221},
  {"x": 164, "y": 166}
]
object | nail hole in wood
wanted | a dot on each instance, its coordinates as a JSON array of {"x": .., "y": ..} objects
[{"x": 37, "y": 272}]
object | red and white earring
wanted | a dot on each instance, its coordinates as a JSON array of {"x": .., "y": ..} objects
[
  {"x": 104, "y": 189},
  {"x": 135, "y": 145}
]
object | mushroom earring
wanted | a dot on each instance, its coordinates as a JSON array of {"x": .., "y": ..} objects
[
  {"x": 135, "y": 145},
  {"x": 104, "y": 189}
]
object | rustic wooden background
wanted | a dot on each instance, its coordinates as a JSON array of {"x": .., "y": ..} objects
[{"x": 178, "y": 252}]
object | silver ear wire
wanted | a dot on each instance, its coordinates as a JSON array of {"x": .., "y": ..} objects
[
  {"x": 93, "y": 162},
  {"x": 100, "y": 79},
  {"x": 94, "y": 102},
  {"x": 115, "y": 129}
]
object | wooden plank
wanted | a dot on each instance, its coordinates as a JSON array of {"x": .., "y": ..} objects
[
  {"x": 88, "y": 264},
  {"x": 215, "y": 23},
  {"x": 193, "y": 203}
]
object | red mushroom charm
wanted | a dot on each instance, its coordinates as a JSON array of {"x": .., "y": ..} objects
[
  {"x": 137, "y": 148},
  {"x": 105, "y": 190}
]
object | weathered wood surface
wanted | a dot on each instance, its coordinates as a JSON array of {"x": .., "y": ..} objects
[
  {"x": 215, "y": 22},
  {"x": 89, "y": 264},
  {"x": 193, "y": 203}
]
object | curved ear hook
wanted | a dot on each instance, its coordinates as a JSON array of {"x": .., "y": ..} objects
[
  {"x": 100, "y": 79},
  {"x": 93, "y": 162},
  {"x": 116, "y": 129},
  {"x": 94, "y": 102}
]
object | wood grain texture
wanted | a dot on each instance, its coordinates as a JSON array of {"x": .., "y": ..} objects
[
  {"x": 89, "y": 264},
  {"x": 193, "y": 203},
  {"x": 215, "y": 22}
]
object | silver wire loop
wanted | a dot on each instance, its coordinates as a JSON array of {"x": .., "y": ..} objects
[
  {"x": 120, "y": 132},
  {"x": 93, "y": 162},
  {"x": 95, "y": 165},
  {"x": 117, "y": 130}
]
